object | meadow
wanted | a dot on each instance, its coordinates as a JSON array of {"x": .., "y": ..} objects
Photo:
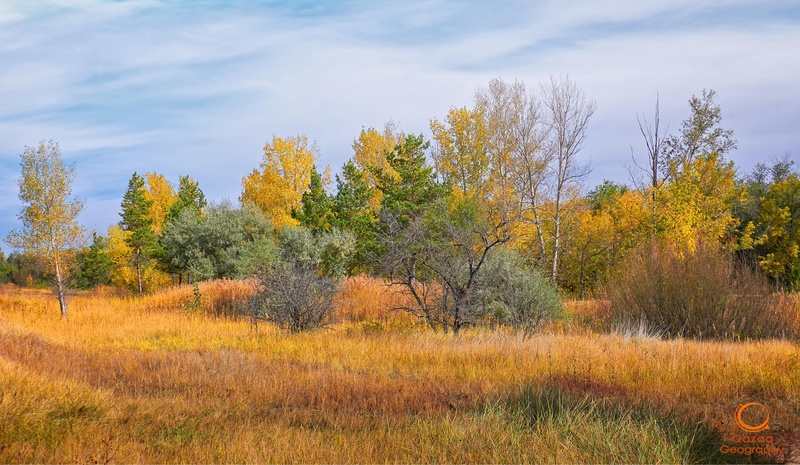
[{"x": 165, "y": 378}]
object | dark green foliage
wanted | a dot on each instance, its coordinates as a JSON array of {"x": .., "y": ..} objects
[
  {"x": 415, "y": 186},
  {"x": 27, "y": 270},
  {"x": 606, "y": 194},
  {"x": 94, "y": 264},
  {"x": 136, "y": 219},
  {"x": 5, "y": 269},
  {"x": 315, "y": 213},
  {"x": 226, "y": 242},
  {"x": 190, "y": 197},
  {"x": 352, "y": 212}
]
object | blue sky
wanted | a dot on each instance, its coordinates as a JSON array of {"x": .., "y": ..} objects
[{"x": 197, "y": 87}]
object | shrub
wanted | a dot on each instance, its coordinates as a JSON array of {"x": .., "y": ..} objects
[
  {"x": 296, "y": 291},
  {"x": 513, "y": 292},
  {"x": 701, "y": 293}
]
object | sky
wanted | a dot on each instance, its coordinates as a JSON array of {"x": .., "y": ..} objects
[{"x": 198, "y": 87}]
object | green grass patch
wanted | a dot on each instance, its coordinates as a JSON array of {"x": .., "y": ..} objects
[{"x": 579, "y": 427}]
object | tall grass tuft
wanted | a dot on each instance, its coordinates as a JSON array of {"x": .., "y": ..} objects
[{"x": 702, "y": 293}]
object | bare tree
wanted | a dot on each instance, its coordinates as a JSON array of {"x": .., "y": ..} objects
[
  {"x": 516, "y": 141},
  {"x": 294, "y": 296},
  {"x": 436, "y": 257},
  {"x": 296, "y": 290},
  {"x": 568, "y": 114},
  {"x": 654, "y": 142}
]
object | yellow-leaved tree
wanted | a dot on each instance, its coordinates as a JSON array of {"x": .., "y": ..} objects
[
  {"x": 50, "y": 229},
  {"x": 369, "y": 152},
  {"x": 697, "y": 203},
  {"x": 284, "y": 175},
  {"x": 122, "y": 274},
  {"x": 160, "y": 192},
  {"x": 460, "y": 152}
]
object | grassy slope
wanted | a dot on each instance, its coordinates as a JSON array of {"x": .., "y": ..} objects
[{"x": 136, "y": 380}]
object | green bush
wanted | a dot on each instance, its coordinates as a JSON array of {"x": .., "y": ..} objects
[
  {"x": 512, "y": 292},
  {"x": 296, "y": 290}
]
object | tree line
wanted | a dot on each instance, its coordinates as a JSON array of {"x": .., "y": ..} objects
[{"x": 479, "y": 220}]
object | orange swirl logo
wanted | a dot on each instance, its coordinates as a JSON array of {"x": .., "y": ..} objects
[{"x": 747, "y": 427}]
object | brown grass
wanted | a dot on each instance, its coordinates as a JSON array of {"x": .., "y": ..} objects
[{"x": 138, "y": 380}]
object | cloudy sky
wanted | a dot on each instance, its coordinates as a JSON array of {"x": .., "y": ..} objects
[{"x": 197, "y": 87}]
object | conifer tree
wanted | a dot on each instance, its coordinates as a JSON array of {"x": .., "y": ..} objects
[{"x": 137, "y": 221}]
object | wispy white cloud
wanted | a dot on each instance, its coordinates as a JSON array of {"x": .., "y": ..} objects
[{"x": 197, "y": 87}]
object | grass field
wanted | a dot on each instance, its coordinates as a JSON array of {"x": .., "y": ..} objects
[{"x": 154, "y": 379}]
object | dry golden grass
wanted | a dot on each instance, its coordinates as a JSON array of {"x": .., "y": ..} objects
[{"x": 138, "y": 380}]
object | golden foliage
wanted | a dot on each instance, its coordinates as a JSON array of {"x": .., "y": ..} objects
[
  {"x": 160, "y": 192},
  {"x": 123, "y": 273},
  {"x": 460, "y": 153},
  {"x": 284, "y": 175},
  {"x": 697, "y": 203},
  {"x": 369, "y": 152}
]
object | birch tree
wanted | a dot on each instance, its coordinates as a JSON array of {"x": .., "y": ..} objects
[
  {"x": 568, "y": 113},
  {"x": 50, "y": 228}
]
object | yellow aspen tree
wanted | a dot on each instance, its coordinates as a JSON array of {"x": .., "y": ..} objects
[
  {"x": 698, "y": 202},
  {"x": 50, "y": 228},
  {"x": 121, "y": 274},
  {"x": 460, "y": 151},
  {"x": 369, "y": 152},
  {"x": 160, "y": 192},
  {"x": 284, "y": 175}
]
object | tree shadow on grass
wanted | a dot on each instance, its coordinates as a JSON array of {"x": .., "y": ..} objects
[{"x": 610, "y": 430}]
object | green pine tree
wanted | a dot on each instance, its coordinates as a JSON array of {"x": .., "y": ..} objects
[
  {"x": 190, "y": 196},
  {"x": 415, "y": 185},
  {"x": 94, "y": 264},
  {"x": 316, "y": 205},
  {"x": 136, "y": 219},
  {"x": 352, "y": 212}
]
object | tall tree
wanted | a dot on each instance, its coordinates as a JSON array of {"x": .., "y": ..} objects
[
  {"x": 460, "y": 152},
  {"x": 519, "y": 163},
  {"x": 701, "y": 134},
  {"x": 161, "y": 195},
  {"x": 568, "y": 111},
  {"x": 369, "y": 151},
  {"x": 315, "y": 211},
  {"x": 50, "y": 228},
  {"x": 654, "y": 142},
  {"x": 351, "y": 211},
  {"x": 698, "y": 202},
  {"x": 285, "y": 174},
  {"x": 137, "y": 219},
  {"x": 190, "y": 196},
  {"x": 415, "y": 185}
]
